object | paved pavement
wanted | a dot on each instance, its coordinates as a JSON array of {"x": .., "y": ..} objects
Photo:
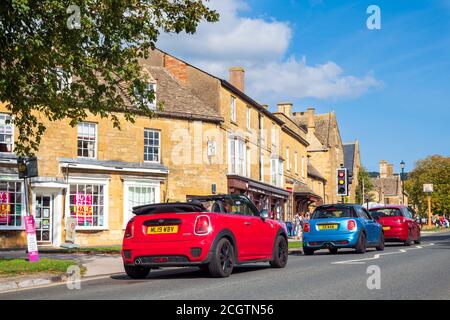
[{"x": 416, "y": 272}]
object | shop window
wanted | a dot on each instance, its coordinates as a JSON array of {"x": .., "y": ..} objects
[
  {"x": 87, "y": 204},
  {"x": 87, "y": 140},
  {"x": 11, "y": 204},
  {"x": 6, "y": 133},
  {"x": 152, "y": 145}
]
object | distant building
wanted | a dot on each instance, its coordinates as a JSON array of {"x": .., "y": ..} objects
[{"x": 388, "y": 186}]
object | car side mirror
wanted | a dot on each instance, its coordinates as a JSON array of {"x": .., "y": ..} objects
[{"x": 264, "y": 214}]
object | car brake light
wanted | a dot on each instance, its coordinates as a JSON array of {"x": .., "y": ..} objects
[
  {"x": 202, "y": 225},
  {"x": 351, "y": 225},
  {"x": 306, "y": 227},
  {"x": 129, "y": 231}
]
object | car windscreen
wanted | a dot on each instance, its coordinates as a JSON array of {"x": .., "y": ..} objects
[
  {"x": 386, "y": 212},
  {"x": 332, "y": 212}
]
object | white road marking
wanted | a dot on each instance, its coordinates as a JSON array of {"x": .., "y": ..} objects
[{"x": 378, "y": 255}]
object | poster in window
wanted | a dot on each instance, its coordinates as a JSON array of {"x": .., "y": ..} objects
[
  {"x": 5, "y": 208},
  {"x": 83, "y": 208}
]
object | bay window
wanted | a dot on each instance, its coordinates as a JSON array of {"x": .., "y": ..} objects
[
  {"x": 88, "y": 203},
  {"x": 11, "y": 205}
]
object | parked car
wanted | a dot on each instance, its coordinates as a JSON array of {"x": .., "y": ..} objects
[
  {"x": 213, "y": 232},
  {"x": 398, "y": 223},
  {"x": 338, "y": 226}
]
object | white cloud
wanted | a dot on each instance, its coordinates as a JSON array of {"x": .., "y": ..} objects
[{"x": 260, "y": 46}]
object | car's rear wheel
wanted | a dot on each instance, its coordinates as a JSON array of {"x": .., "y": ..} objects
[
  {"x": 380, "y": 247},
  {"x": 361, "y": 244},
  {"x": 308, "y": 251},
  {"x": 409, "y": 241},
  {"x": 280, "y": 253},
  {"x": 137, "y": 272},
  {"x": 222, "y": 261},
  {"x": 333, "y": 250},
  {"x": 418, "y": 240}
]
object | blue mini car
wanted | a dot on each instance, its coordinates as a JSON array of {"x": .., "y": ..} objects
[{"x": 341, "y": 226}]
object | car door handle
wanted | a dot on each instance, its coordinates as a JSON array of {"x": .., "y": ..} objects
[{"x": 247, "y": 223}]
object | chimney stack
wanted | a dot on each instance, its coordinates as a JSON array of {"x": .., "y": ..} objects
[
  {"x": 383, "y": 169},
  {"x": 237, "y": 77},
  {"x": 310, "y": 119},
  {"x": 285, "y": 108}
]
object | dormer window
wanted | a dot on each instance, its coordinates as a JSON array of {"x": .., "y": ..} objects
[
  {"x": 64, "y": 80},
  {"x": 151, "y": 104}
]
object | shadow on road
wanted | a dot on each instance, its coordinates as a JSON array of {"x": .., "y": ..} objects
[{"x": 186, "y": 273}]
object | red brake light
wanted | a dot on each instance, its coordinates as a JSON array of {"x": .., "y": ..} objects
[
  {"x": 351, "y": 225},
  {"x": 306, "y": 227},
  {"x": 129, "y": 231},
  {"x": 202, "y": 225}
]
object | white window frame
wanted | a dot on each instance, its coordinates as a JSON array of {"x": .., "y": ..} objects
[
  {"x": 150, "y": 104},
  {"x": 262, "y": 132},
  {"x": 303, "y": 166},
  {"x": 276, "y": 171},
  {"x": 233, "y": 115},
  {"x": 6, "y": 115},
  {"x": 239, "y": 160},
  {"x": 288, "y": 163},
  {"x": 95, "y": 181},
  {"x": 248, "y": 118},
  {"x": 23, "y": 211},
  {"x": 138, "y": 183},
  {"x": 159, "y": 145},
  {"x": 261, "y": 159},
  {"x": 249, "y": 161},
  {"x": 296, "y": 162},
  {"x": 96, "y": 139}
]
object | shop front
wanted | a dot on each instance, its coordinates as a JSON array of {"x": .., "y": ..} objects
[
  {"x": 305, "y": 200},
  {"x": 264, "y": 196}
]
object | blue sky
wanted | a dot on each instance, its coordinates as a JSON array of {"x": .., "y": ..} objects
[{"x": 390, "y": 88}]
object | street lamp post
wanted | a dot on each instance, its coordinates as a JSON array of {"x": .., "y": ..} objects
[{"x": 402, "y": 177}]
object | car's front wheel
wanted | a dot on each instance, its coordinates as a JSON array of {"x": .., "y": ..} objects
[
  {"x": 137, "y": 272},
  {"x": 333, "y": 250},
  {"x": 280, "y": 253},
  {"x": 222, "y": 262}
]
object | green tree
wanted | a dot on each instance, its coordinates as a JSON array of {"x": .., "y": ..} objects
[
  {"x": 436, "y": 170},
  {"x": 67, "y": 58},
  {"x": 363, "y": 180}
]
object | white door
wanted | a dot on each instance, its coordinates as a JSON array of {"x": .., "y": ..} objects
[{"x": 44, "y": 219}]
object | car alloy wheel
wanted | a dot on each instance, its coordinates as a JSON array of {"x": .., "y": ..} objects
[
  {"x": 380, "y": 247},
  {"x": 137, "y": 272},
  {"x": 409, "y": 241},
  {"x": 280, "y": 254},
  {"x": 333, "y": 250},
  {"x": 222, "y": 262}
]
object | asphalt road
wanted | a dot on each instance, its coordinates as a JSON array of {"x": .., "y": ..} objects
[{"x": 416, "y": 272}]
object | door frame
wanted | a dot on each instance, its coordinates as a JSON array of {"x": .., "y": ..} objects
[{"x": 58, "y": 209}]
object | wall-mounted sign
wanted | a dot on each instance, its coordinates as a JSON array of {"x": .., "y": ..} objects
[
  {"x": 428, "y": 188},
  {"x": 211, "y": 148}
]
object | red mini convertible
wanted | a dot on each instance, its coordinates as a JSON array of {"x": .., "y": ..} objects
[
  {"x": 398, "y": 223},
  {"x": 214, "y": 233}
]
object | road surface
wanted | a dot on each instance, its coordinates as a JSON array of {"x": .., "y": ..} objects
[{"x": 416, "y": 272}]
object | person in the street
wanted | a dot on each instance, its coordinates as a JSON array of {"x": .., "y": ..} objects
[{"x": 297, "y": 225}]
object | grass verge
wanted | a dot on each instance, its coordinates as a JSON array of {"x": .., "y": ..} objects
[
  {"x": 295, "y": 245},
  {"x": 15, "y": 267}
]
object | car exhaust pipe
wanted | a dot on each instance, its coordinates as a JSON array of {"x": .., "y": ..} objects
[{"x": 138, "y": 261}]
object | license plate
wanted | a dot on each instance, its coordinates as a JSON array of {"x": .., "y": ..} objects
[
  {"x": 328, "y": 226},
  {"x": 386, "y": 228},
  {"x": 162, "y": 229}
]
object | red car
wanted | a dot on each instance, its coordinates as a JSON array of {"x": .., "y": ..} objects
[
  {"x": 398, "y": 223},
  {"x": 212, "y": 232}
]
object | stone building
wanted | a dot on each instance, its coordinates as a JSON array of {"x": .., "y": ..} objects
[
  {"x": 209, "y": 138},
  {"x": 325, "y": 150},
  {"x": 352, "y": 161},
  {"x": 388, "y": 186}
]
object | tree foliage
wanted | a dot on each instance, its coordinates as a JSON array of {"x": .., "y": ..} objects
[
  {"x": 60, "y": 62},
  {"x": 364, "y": 180},
  {"x": 436, "y": 170}
]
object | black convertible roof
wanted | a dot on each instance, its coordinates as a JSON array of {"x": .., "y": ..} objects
[{"x": 175, "y": 207}]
